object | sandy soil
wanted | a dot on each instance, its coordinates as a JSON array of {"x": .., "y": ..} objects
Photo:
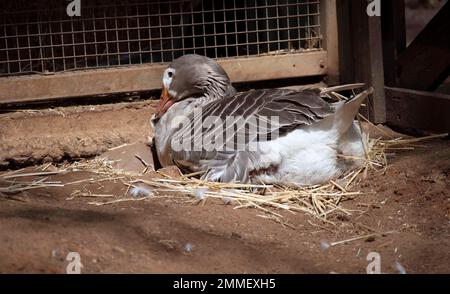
[
  {"x": 170, "y": 234},
  {"x": 52, "y": 135}
]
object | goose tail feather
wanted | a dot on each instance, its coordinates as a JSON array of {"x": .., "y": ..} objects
[{"x": 346, "y": 111}]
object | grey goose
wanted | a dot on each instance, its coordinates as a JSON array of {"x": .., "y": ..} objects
[{"x": 290, "y": 137}]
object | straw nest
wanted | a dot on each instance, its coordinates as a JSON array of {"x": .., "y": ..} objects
[{"x": 318, "y": 201}]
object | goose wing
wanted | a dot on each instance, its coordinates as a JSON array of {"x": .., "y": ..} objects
[
  {"x": 282, "y": 110},
  {"x": 256, "y": 116}
]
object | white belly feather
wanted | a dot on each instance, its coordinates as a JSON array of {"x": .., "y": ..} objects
[{"x": 309, "y": 157}]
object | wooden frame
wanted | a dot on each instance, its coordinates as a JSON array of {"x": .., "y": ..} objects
[
  {"x": 329, "y": 27},
  {"x": 92, "y": 82},
  {"x": 425, "y": 64},
  {"x": 393, "y": 26},
  {"x": 361, "y": 54},
  {"x": 411, "y": 109},
  {"x": 147, "y": 77},
  {"x": 412, "y": 71}
]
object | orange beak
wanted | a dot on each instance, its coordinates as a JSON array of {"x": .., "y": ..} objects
[{"x": 164, "y": 103}]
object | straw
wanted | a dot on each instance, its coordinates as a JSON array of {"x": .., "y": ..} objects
[{"x": 319, "y": 201}]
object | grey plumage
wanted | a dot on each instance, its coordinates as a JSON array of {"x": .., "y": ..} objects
[
  {"x": 295, "y": 109},
  {"x": 203, "y": 84}
]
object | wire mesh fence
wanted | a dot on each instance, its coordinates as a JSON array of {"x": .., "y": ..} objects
[{"x": 39, "y": 37}]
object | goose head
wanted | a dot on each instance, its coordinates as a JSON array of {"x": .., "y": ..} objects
[{"x": 192, "y": 76}]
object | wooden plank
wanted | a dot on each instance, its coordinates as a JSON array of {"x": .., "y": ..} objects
[
  {"x": 424, "y": 65},
  {"x": 330, "y": 42},
  {"x": 270, "y": 67},
  {"x": 362, "y": 56},
  {"x": 418, "y": 110},
  {"x": 346, "y": 62},
  {"x": 393, "y": 26},
  {"x": 148, "y": 77}
]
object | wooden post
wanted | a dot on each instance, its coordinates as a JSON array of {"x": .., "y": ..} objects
[
  {"x": 393, "y": 26},
  {"x": 329, "y": 28},
  {"x": 362, "y": 57}
]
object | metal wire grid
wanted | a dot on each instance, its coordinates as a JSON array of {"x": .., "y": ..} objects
[{"x": 36, "y": 39}]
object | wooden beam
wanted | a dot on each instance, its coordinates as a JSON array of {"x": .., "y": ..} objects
[
  {"x": 346, "y": 62},
  {"x": 329, "y": 27},
  {"x": 362, "y": 56},
  {"x": 420, "y": 110},
  {"x": 271, "y": 67},
  {"x": 148, "y": 77},
  {"x": 393, "y": 26},
  {"x": 424, "y": 65}
]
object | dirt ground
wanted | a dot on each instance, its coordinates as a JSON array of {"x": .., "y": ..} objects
[
  {"x": 51, "y": 135},
  {"x": 410, "y": 202}
]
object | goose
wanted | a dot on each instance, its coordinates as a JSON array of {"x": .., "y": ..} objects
[{"x": 290, "y": 137}]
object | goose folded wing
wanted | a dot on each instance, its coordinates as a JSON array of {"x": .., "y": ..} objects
[{"x": 258, "y": 115}]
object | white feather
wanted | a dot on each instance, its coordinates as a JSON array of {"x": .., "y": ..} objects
[
  {"x": 305, "y": 156},
  {"x": 200, "y": 193},
  {"x": 189, "y": 247},
  {"x": 325, "y": 245},
  {"x": 400, "y": 268},
  {"x": 140, "y": 192}
]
